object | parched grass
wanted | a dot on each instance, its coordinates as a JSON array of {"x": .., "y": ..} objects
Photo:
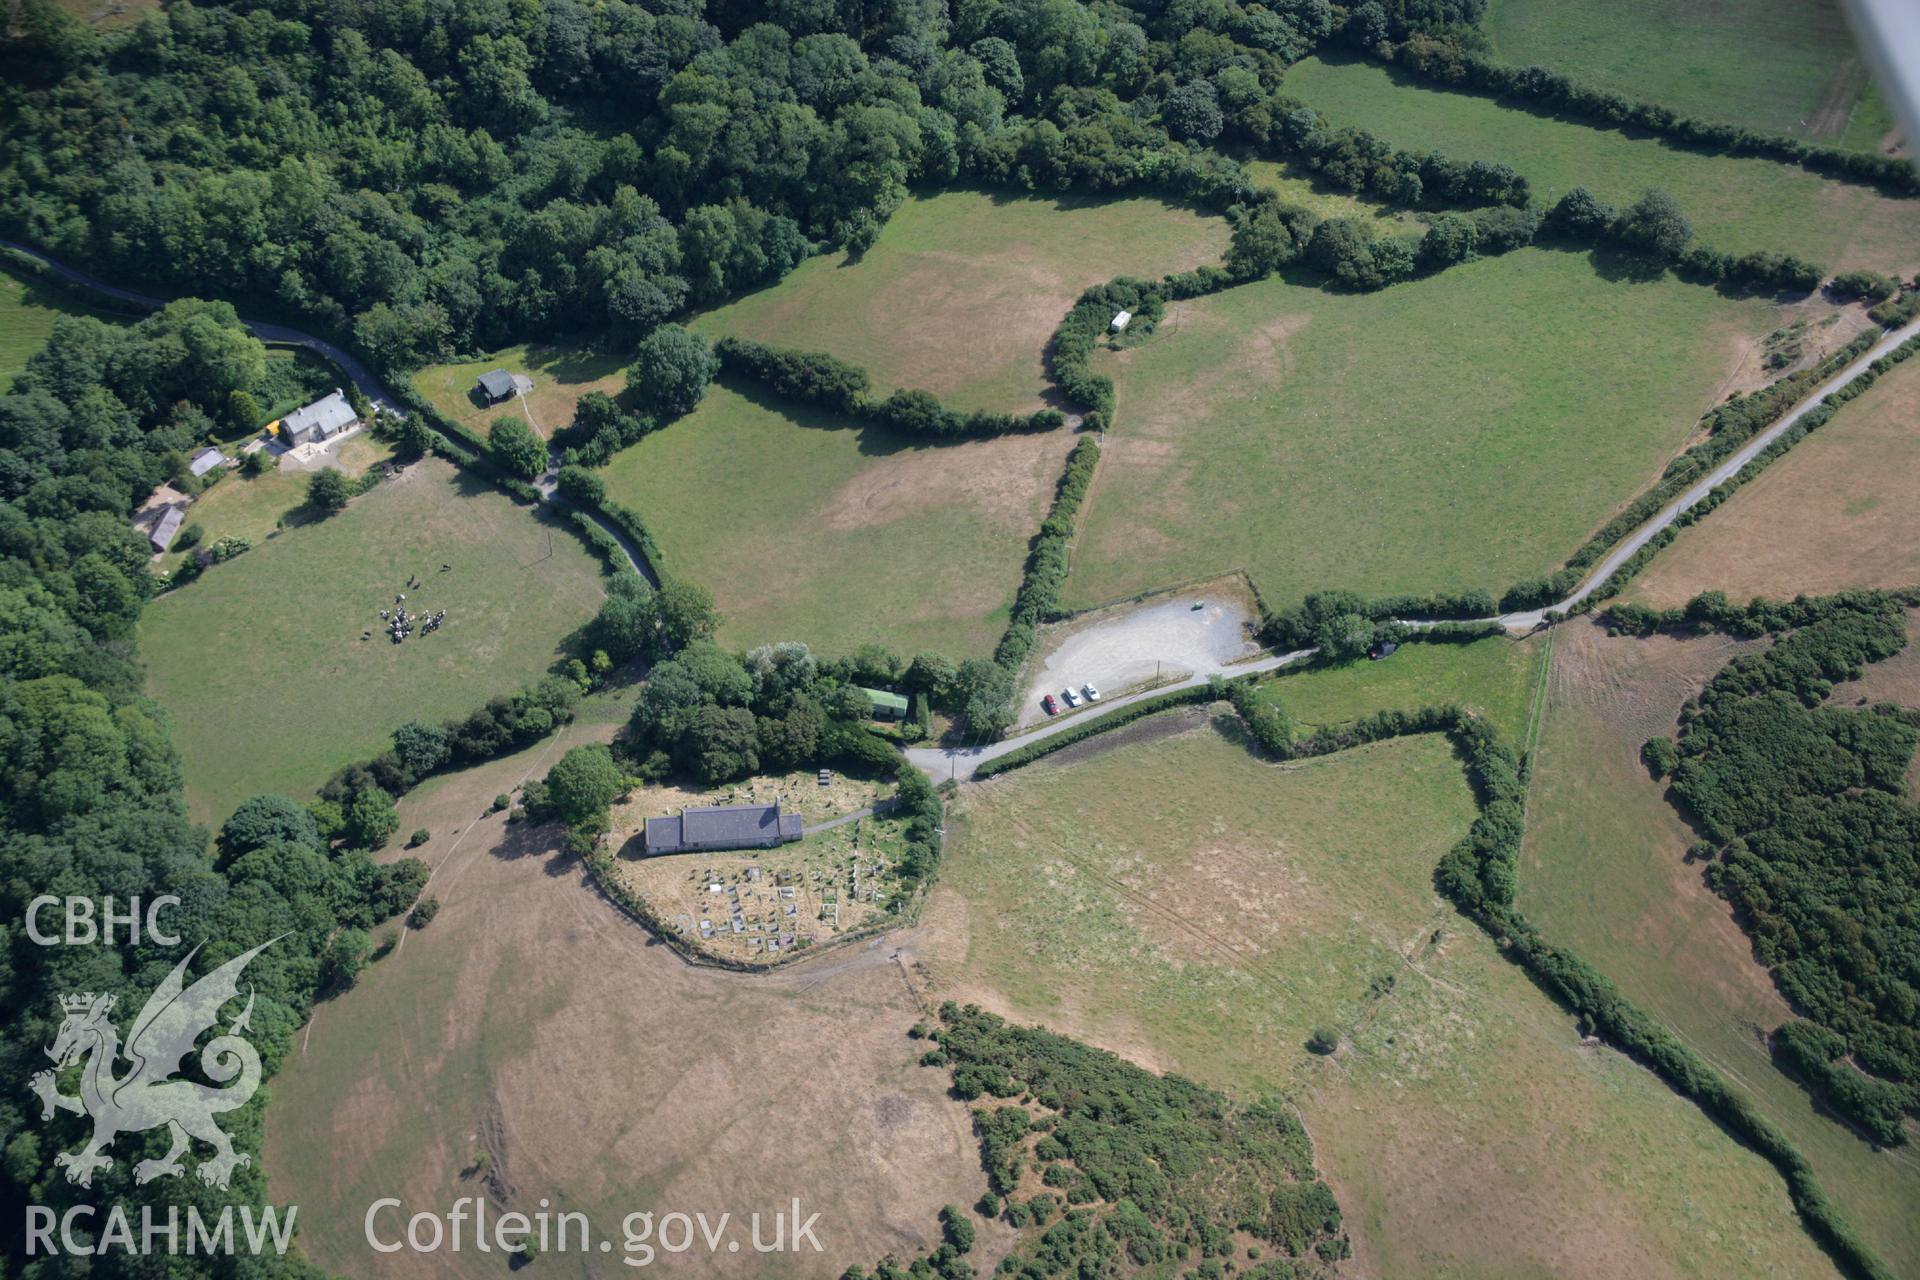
[
  {"x": 1195, "y": 908},
  {"x": 27, "y": 312},
  {"x": 1198, "y": 906},
  {"x": 1735, "y": 204},
  {"x": 531, "y": 1003},
  {"x": 963, "y": 289},
  {"x": 1494, "y": 678},
  {"x": 1604, "y": 871},
  {"x": 1783, "y": 66},
  {"x": 1841, "y": 510},
  {"x": 261, "y": 666},
  {"x": 263, "y": 507},
  {"x": 1472, "y": 1136},
  {"x": 561, "y": 375},
  {"x": 806, "y": 528},
  {"x": 1464, "y": 430}
]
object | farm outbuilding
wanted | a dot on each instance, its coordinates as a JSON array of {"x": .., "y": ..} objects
[
  {"x": 1121, "y": 319},
  {"x": 324, "y": 419},
  {"x": 497, "y": 385},
  {"x": 167, "y": 528},
  {"x": 206, "y": 460},
  {"x": 886, "y": 706},
  {"x": 733, "y": 826}
]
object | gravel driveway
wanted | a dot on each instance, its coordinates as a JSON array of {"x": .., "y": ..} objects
[{"x": 1122, "y": 648}]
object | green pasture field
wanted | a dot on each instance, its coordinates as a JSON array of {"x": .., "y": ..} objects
[
  {"x": 1299, "y": 185},
  {"x": 1782, "y": 66},
  {"x": 1735, "y": 204},
  {"x": 806, "y": 528},
  {"x": 27, "y": 312},
  {"x": 963, "y": 289},
  {"x": 1495, "y": 678},
  {"x": 1604, "y": 871},
  {"x": 262, "y": 507},
  {"x": 1468, "y": 429},
  {"x": 561, "y": 375},
  {"x": 1190, "y": 906},
  {"x": 261, "y": 666}
]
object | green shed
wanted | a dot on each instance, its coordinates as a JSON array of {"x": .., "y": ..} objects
[{"x": 886, "y": 706}]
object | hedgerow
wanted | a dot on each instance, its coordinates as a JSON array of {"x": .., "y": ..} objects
[
  {"x": 1445, "y": 61},
  {"x": 818, "y": 378}
]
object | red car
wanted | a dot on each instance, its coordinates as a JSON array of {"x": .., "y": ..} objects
[{"x": 1048, "y": 705}]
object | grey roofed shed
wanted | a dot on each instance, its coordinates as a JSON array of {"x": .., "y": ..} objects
[
  {"x": 206, "y": 460},
  {"x": 497, "y": 385},
  {"x": 167, "y": 528}
]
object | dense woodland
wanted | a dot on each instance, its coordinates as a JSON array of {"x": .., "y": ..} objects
[
  {"x": 1811, "y": 835},
  {"x": 90, "y": 790},
  {"x": 1116, "y": 1169},
  {"x": 450, "y": 177}
]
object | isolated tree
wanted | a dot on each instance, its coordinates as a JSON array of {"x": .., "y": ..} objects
[
  {"x": 1581, "y": 214},
  {"x": 1655, "y": 224},
  {"x": 628, "y": 624},
  {"x": 686, "y": 612},
  {"x": 371, "y": 819},
  {"x": 1192, "y": 111},
  {"x": 720, "y": 744},
  {"x": 329, "y": 490},
  {"x": 345, "y": 956},
  {"x": 584, "y": 783},
  {"x": 513, "y": 445},
  {"x": 263, "y": 820},
  {"x": 577, "y": 484},
  {"x": 421, "y": 748},
  {"x": 423, "y": 912},
  {"x": 243, "y": 410},
  {"x": 671, "y": 369}
]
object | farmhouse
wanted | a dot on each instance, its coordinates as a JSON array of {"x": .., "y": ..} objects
[
  {"x": 206, "y": 460},
  {"x": 886, "y": 706},
  {"x": 733, "y": 826},
  {"x": 324, "y": 419},
  {"x": 496, "y": 385}
]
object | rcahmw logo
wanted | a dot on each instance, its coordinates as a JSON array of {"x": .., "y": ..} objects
[{"x": 149, "y": 1095}]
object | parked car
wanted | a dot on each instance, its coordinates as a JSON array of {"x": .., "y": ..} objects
[
  {"x": 1048, "y": 705},
  {"x": 1071, "y": 698},
  {"x": 1092, "y": 694}
]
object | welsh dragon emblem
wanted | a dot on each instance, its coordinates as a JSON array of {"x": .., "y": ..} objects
[{"x": 147, "y": 1095}]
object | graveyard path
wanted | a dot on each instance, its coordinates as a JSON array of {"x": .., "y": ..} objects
[{"x": 840, "y": 821}]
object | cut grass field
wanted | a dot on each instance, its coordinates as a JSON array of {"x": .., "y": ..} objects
[
  {"x": 807, "y": 529},
  {"x": 1735, "y": 204},
  {"x": 1179, "y": 901},
  {"x": 1781, "y": 66},
  {"x": 260, "y": 508},
  {"x": 1840, "y": 510},
  {"x": 962, "y": 291},
  {"x": 561, "y": 375},
  {"x": 1495, "y": 678},
  {"x": 1321, "y": 440},
  {"x": 261, "y": 666},
  {"x": 27, "y": 312},
  {"x": 1604, "y": 872},
  {"x": 597, "y": 1073}
]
